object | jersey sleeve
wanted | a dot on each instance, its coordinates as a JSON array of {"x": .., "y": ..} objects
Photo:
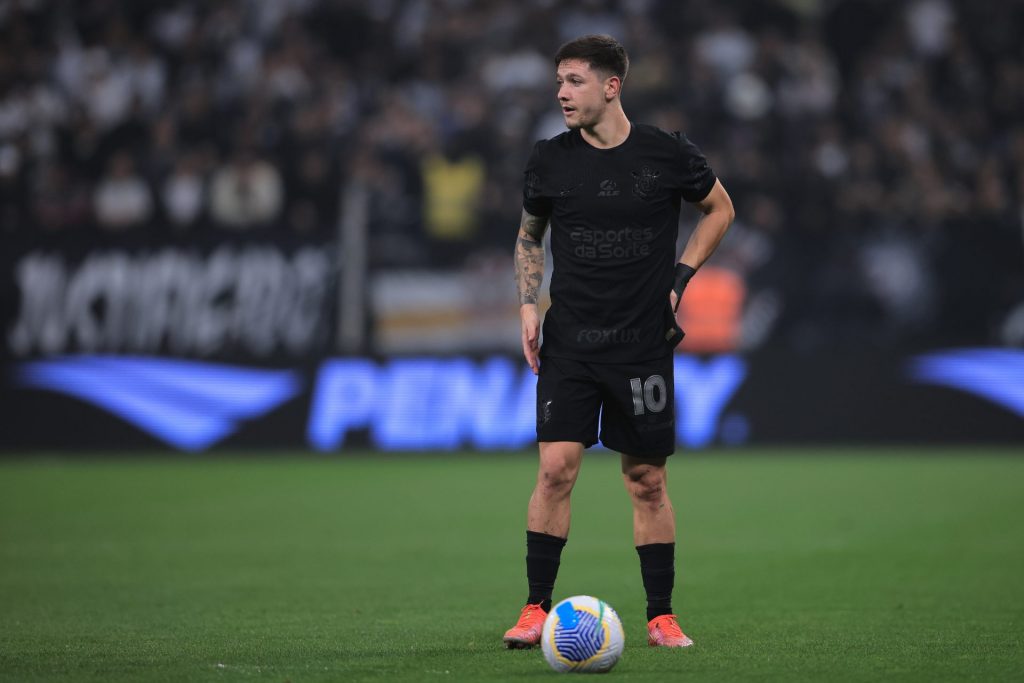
[
  {"x": 535, "y": 202},
  {"x": 696, "y": 174}
]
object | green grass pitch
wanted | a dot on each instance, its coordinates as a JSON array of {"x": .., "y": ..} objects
[{"x": 792, "y": 565}]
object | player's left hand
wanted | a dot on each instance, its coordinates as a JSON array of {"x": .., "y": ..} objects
[{"x": 531, "y": 335}]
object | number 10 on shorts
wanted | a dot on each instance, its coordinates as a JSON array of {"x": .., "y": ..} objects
[{"x": 650, "y": 393}]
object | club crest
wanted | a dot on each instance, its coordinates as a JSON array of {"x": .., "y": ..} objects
[{"x": 645, "y": 182}]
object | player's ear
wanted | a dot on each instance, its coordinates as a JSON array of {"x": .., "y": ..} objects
[{"x": 612, "y": 87}]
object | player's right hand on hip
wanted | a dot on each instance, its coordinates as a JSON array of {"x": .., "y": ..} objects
[{"x": 531, "y": 335}]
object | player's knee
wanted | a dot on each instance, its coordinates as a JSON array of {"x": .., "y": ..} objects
[
  {"x": 557, "y": 473},
  {"x": 557, "y": 476},
  {"x": 556, "y": 481},
  {"x": 647, "y": 487}
]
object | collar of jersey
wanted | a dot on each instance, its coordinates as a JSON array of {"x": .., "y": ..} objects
[{"x": 606, "y": 150}]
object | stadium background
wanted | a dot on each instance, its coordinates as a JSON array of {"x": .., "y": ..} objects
[
  {"x": 259, "y": 231},
  {"x": 206, "y": 206}
]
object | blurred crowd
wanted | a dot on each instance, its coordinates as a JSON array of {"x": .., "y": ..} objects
[{"x": 874, "y": 149}]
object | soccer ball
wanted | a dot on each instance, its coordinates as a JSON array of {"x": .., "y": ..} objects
[{"x": 582, "y": 634}]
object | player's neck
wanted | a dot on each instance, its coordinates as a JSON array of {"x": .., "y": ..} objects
[{"x": 611, "y": 131}]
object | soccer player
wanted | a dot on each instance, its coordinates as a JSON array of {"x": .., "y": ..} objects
[{"x": 611, "y": 191}]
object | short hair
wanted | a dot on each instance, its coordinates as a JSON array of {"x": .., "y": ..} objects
[{"x": 601, "y": 52}]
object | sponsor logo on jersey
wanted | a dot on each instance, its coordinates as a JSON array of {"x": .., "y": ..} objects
[
  {"x": 611, "y": 244},
  {"x": 615, "y": 336},
  {"x": 609, "y": 188}
]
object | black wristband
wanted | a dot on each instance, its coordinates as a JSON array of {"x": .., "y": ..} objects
[{"x": 683, "y": 273}]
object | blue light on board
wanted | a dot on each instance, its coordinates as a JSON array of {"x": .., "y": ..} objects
[
  {"x": 996, "y": 375},
  {"x": 425, "y": 403},
  {"x": 189, "y": 405},
  {"x": 443, "y": 403}
]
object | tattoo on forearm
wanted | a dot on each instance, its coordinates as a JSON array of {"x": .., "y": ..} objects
[
  {"x": 534, "y": 226},
  {"x": 530, "y": 257},
  {"x": 529, "y": 268}
]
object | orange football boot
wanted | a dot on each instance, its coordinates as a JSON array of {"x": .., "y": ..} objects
[
  {"x": 664, "y": 631},
  {"x": 526, "y": 632}
]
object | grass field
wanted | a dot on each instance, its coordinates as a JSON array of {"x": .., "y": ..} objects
[{"x": 833, "y": 565}]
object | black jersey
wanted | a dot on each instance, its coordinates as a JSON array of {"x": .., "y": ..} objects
[{"x": 614, "y": 222}]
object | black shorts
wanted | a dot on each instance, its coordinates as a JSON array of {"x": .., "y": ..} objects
[{"x": 635, "y": 402}]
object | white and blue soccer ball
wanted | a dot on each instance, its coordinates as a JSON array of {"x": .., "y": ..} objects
[{"x": 582, "y": 634}]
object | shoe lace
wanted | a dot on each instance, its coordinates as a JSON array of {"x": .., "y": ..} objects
[
  {"x": 670, "y": 626},
  {"x": 529, "y": 614}
]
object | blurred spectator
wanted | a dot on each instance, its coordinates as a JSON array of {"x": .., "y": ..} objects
[
  {"x": 13, "y": 189},
  {"x": 122, "y": 199},
  {"x": 313, "y": 194},
  {"x": 183, "y": 193},
  {"x": 246, "y": 192},
  {"x": 60, "y": 201},
  {"x": 872, "y": 147},
  {"x": 453, "y": 182},
  {"x": 725, "y": 46}
]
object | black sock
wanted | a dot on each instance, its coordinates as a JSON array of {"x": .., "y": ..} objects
[
  {"x": 658, "y": 568},
  {"x": 543, "y": 555}
]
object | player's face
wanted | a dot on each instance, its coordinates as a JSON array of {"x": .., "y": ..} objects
[{"x": 582, "y": 93}]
